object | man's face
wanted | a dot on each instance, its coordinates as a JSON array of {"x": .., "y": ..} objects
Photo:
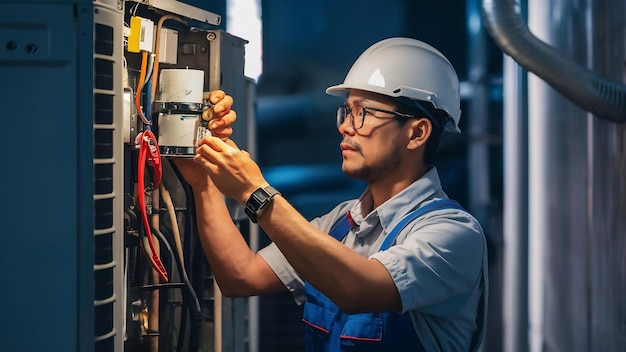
[{"x": 375, "y": 150}]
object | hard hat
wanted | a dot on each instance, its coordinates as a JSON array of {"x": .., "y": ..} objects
[{"x": 405, "y": 67}]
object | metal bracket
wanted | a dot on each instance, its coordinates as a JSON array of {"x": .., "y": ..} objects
[{"x": 184, "y": 10}]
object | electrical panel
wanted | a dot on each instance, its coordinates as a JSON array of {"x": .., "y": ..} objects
[{"x": 178, "y": 56}]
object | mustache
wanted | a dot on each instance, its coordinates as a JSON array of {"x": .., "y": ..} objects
[{"x": 353, "y": 144}]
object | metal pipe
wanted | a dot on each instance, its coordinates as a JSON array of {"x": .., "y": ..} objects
[
  {"x": 602, "y": 97},
  {"x": 515, "y": 224},
  {"x": 478, "y": 145}
]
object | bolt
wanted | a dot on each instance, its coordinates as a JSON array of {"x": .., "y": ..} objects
[{"x": 31, "y": 48}]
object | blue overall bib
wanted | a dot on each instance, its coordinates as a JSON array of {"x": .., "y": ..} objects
[{"x": 329, "y": 329}]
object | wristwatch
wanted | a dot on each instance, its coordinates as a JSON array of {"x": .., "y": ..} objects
[{"x": 258, "y": 201}]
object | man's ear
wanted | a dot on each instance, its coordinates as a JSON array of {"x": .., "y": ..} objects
[{"x": 419, "y": 132}]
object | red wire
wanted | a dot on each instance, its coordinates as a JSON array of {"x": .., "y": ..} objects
[{"x": 143, "y": 150}]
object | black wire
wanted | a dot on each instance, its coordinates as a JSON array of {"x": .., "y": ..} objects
[
  {"x": 181, "y": 330},
  {"x": 181, "y": 269},
  {"x": 163, "y": 285},
  {"x": 189, "y": 211},
  {"x": 188, "y": 231}
]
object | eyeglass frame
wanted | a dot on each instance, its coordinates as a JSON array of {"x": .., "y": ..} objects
[{"x": 347, "y": 111}]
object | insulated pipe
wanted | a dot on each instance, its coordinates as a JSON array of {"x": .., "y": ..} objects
[{"x": 602, "y": 97}]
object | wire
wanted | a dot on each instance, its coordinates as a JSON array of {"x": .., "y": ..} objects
[
  {"x": 134, "y": 11},
  {"x": 181, "y": 269},
  {"x": 150, "y": 67},
  {"x": 157, "y": 42},
  {"x": 189, "y": 209},
  {"x": 188, "y": 228},
  {"x": 148, "y": 141},
  {"x": 192, "y": 295},
  {"x": 140, "y": 84},
  {"x": 148, "y": 85},
  {"x": 167, "y": 199}
]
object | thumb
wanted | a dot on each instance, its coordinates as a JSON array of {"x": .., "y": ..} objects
[{"x": 227, "y": 147}]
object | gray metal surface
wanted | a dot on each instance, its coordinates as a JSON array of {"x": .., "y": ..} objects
[
  {"x": 576, "y": 189},
  {"x": 184, "y": 10}
]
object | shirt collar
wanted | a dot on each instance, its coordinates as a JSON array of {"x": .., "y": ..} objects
[{"x": 394, "y": 209}]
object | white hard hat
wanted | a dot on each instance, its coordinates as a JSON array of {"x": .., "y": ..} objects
[{"x": 405, "y": 67}]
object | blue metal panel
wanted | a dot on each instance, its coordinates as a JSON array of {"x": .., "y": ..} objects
[{"x": 46, "y": 202}]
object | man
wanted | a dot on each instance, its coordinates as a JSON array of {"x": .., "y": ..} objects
[{"x": 377, "y": 282}]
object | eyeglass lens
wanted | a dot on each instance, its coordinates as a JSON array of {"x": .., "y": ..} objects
[{"x": 356, "y": 113}]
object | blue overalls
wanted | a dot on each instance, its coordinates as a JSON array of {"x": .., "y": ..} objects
[{"x": 329, "y": 329}]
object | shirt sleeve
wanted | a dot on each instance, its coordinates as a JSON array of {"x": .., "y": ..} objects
[
  {"x": 437, "y": 260},
  {"x": 279, "y": 264},
  {"x": 285, "y": 272}
]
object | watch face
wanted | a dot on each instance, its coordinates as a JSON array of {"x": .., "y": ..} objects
[{"x": 258, "y": 201}]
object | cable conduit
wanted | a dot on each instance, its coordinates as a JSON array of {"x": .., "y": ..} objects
[{"x": 592, "y": 92}]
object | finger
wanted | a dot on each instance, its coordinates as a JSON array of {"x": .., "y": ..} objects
[
  {"x": 221, "y": 109},
  {"x": 204, "y": 142},
  {"x": 222, "y": 133},
  {"x": 227, "y": 147},
  {"x": 216, "y": 95},
  {"x": 206, "y": 151},
  {"x": 208, "y": 114},
  {"x": 223, "y": 105},
  {"x": 211, "y": 144},
  {"x": 224, "y": 120}
]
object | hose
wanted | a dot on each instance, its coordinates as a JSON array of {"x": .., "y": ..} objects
[{"x": 602, "y": 97}]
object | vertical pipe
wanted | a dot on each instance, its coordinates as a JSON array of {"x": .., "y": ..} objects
[
  {"x": 537, "y": 145},
  {"x": 515, "y": 277},
  {"x": 478, "y": 187},
  {"x": 558, "y": 189},
  {"x": 253, "y": 302},
  {"x": 607, "y": 191},
  {"x": 515, "y": 217},
  {"x": 479, "y": 195}
]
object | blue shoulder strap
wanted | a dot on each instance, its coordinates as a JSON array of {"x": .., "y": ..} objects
[
  {"x": 341, "y": 227},
  {"x": 440, "y": 204}
]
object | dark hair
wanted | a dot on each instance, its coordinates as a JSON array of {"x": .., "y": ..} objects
[{"x": 437, "y": 117}]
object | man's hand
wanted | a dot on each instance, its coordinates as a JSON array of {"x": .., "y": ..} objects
[
  {"x": 222, "y": 117},
  {"x": 232, "y": 170}
]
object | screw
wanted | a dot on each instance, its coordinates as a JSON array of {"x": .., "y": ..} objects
[
  {"x": 211, "y": 36},
  {"x": 11, "y": 45},
  {"x": 31, "y": 48}
]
